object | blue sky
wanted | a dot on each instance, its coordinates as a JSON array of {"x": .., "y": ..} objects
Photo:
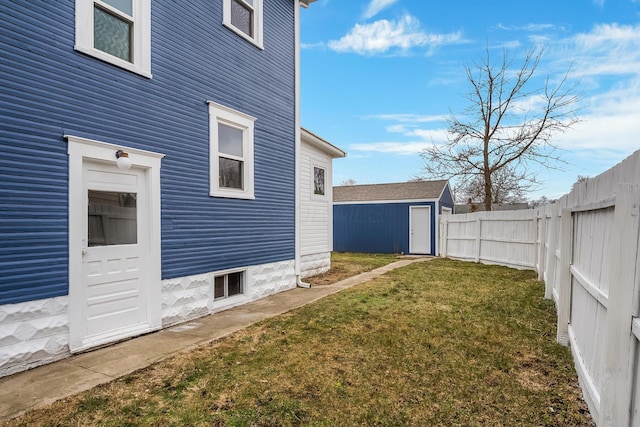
[{"x": 378, "y": 77}]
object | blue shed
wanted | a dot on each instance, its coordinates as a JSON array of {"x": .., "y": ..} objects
[{"x": 390, "y": 218}]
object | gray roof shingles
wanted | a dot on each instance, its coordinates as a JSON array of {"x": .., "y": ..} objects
[{"x": 415, "y": 190}]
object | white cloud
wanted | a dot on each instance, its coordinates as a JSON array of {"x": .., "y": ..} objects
[
  {"x": 609, "y": 49},
  {"x": 610, "y": 124},
  {"x": 376, "y": 6},
  {"x": 410, "y": 148},
  {"x": 318, "y": 45},
  {"x": 420, "y": 139},
  {"x": 407, "y": 125},
  {"x": 411, "y": 118},
  {"x": 528, "y": 27},
  {"x": 383, "y": 36}
]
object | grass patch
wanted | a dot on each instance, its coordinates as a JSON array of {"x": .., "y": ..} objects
[
  {"x": 348, "y": 264},
  {"x": 439, "y": 343}
]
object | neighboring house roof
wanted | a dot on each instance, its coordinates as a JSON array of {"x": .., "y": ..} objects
[
  {"x": 321, "y": 144},
  {"x": 418, "y": 190}
]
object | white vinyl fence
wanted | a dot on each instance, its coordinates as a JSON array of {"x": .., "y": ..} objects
[{"x": 585, "y": 247}]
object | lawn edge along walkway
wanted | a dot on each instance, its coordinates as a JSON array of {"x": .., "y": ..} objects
[{"x": 46, "y": 384}]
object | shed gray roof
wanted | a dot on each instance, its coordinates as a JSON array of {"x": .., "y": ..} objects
[{"x": 418, "y": 190}]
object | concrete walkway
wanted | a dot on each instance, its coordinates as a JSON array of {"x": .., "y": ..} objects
[{"x": 46, "y": 384}]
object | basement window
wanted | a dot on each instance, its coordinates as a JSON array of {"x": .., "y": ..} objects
[{"x": 228, "y": 285}]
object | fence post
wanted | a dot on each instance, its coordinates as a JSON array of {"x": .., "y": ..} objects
[
  {"x": 554, "y": 226},
  {"x": 444, "y": 238},
  {"x": 478, "y": 235},
  {"x": 542, "y": 242},
  {"x": 564, "y": 280},
  {"x": 615, "y": 406}
]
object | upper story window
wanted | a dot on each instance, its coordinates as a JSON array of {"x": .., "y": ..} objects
[
  {"x": 245, "y": 18},
  {"x": 231, "y": 152},
  {"x": 116, "y": 31}
]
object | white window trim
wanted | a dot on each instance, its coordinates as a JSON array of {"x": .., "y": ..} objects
[
  {"x": 230, "y": 117},
  {"x": 141, "y": 42},
  {"x": 228, "y": 302},
  {"x": 257, "y": 22},
  {"x": 313, "y": 180}
]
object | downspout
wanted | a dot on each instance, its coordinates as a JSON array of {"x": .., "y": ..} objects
[{"x": 299, "y": 281}]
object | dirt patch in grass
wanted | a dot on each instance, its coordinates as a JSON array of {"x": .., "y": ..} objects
[{"x": 442, "y": 343}]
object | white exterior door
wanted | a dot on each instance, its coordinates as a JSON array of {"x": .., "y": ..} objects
[
  {"x": 420, "y": 229},
  {"x": 113, "y": 256},
  {"x": 114, "y": 244}
]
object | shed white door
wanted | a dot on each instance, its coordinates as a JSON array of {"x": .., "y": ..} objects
[
  {"x": 420, "y": 229},
  {"x": 112, "y": 297}
]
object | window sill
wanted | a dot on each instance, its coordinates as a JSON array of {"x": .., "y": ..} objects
[
  {"x": 232, "y": 194},
  {"x": 105, "y": 57}
]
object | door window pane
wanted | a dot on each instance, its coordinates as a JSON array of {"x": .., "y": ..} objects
[
  {"x": 231, "y": 173},
  {"x": 229, "y": 140},
  {"x": 113, "y": 218},
  {"x": 111, "y": 34},
  {"x": 242, "y": 17}
]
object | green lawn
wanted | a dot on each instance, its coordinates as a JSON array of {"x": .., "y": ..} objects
[
  {"x": 438, "y": 343},
  {"x": 348, "y": 264}
]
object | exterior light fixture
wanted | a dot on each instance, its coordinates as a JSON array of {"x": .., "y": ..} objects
[{"x": 123, "y": 162}]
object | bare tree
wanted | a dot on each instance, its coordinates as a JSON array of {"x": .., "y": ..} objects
[
  {"x": 349, "y": 181},
  {"x": 506, "y": 125},
  {"x": 508, "y": 186},
  {"x": 544, "y": 200}
]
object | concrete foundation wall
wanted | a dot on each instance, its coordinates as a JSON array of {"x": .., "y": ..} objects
[
  {"x": 187, "y": 298},
  {"x": 310, "y": 265},
  {"x": 37, "y": 332},
  {"x": 33, "y": 333}
]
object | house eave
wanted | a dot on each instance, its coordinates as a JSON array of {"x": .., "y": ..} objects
[{"x": 322, "y": 144}]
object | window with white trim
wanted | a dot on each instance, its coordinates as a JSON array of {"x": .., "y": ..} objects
[
  {"x": 245, "y": 18},
  {"x": 228, "y": 285},
  {"x": 231, "y": 152},
  {"x": 116, "y": 31},
  {"x": 319, "y": 180}
]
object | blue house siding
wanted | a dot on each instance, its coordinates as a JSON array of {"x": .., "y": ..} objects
[
  {"x": 375, "y": 227},
  {"x": 49, "y": 90}
]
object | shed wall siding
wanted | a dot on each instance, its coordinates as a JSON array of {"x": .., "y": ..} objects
[
  {"x": 375, "y": 228},
  {"x": 50, "y": 90}
]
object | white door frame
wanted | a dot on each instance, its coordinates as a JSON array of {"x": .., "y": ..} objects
[
  {"x": 411, "y": 210},
  {"x": 81, "y": 150}
]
